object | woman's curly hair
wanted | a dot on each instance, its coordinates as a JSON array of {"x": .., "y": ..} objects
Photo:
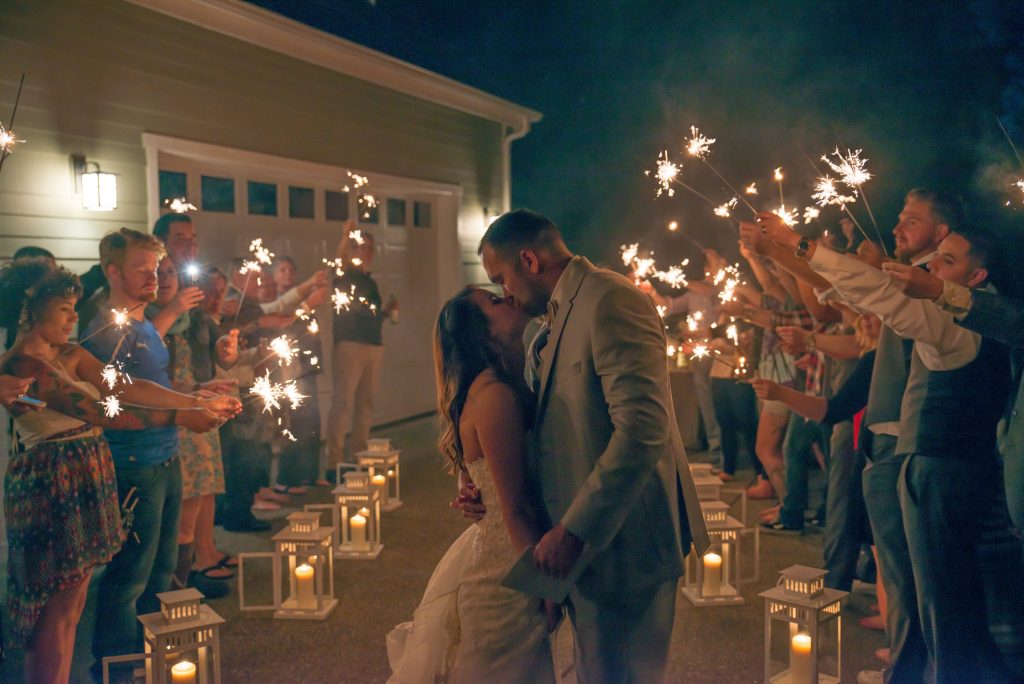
[{"x": 28, "y": 287}]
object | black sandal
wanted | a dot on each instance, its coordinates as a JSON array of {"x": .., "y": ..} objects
[{"x": 205, "y": 572}]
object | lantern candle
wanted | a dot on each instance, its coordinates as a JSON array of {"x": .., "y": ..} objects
[
  {"x": 800, "y": 659},
  {"x": 712, "y": 574},
  {"x": 183, "y": 673},
  {"x": 305, "y": 592},
  {"x": 358, "y": 526},
  {"x": 381, "y": 483}
]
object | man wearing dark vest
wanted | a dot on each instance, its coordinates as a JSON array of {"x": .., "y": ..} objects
[
  {"x": 959, "y": 537},
  {"x": 1002, "y": 319}
]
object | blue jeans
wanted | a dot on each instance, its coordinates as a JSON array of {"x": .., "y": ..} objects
[
  {"x": 845, "y": 518},
  {"x": 145, "y": 564},
  {"x": 798, "y": 456}
]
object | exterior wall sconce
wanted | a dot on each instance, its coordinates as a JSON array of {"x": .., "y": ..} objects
[{"x": 97, "y": 188}]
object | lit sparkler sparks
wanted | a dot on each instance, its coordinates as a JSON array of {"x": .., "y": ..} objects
[
  {"x": 290, "y": 391},
  {"x": 826, "y": 193},
  {"x": 751, "y": 189},
  {"x": 261, "y": 254},
  {"x": 111, "y": 406},
  {"x": 662, "y": 310},
  {"x": 8, "y": 140},
  {"x": 670, "y": 350},
  {"x": 642, "y": 267},
  {"x": 313, "y": 327},
  {"x": 788, "y": 216},
  {"x": 357, "y": 236},
  {"x": 629, "y": 253},
  {"x": 700, "y": 351},
  {"x": 282, "y": 347},
  {"x": 674, "y": 275},
  {"x": 674, "y": 225},
  {"x": 179, "y": 205},
  {"x": 268, "y": 391},
  {"x": 733, "y": 333},
  {"x": 337, "y": 264},
  {"x": 665, "y": 173},
  {"x": 777, "y": 175},
  {"x": 109, "y": 375},
  {"x": 725, "y": 210},
  {"x": 811, "y": 213},
  {"x": 121, "y": 318},
  {"x": 851, "y": 168},
  {"x": 288, "y": 433},
  {"x": 698, "y": 145},
  {"x": 342, "y": 300},
  {"x": 693, "y": 321}
]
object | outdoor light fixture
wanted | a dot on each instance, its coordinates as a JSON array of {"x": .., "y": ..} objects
[{"x": 97, "y": 188}]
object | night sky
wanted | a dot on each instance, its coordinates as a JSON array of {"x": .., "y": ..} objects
[{"x": 917, "y": 85}]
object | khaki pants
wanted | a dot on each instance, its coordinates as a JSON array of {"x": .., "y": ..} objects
[{"x": 356, "y": 370}]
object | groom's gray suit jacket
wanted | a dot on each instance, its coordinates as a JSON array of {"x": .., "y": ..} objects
[{"x": 607, "y": 451}]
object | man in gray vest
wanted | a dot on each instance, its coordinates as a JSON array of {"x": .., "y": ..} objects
[
  {"x": 1002, "y": 319},
  {"x": 959, "y": 538}
]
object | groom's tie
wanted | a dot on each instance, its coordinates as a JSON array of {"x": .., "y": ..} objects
[{"x": 540, "y": 340}]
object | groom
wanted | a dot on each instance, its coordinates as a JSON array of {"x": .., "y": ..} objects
[{"x": 606, "y": 449}]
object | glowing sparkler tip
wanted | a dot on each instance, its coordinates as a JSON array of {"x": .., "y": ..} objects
[
  {"x": 701, "y": 351},
  {"x": 282, "y": 348},
  {"x": 851, "y": 168},
  {"x": 121, "y": 318},
  {"x": 725, "y": 210},
  {"x": 666, "y": 172},
  {"x": 698, "y": 144},
  {"x": 751, "y": 189},
  {"x": 777, "y": 174},
  {"x": 111, "y": 406},
  {"x": 673, "y": 225},
  {"x": 179, "y": 205}
]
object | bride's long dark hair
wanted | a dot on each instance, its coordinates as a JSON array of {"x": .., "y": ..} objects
[{"x": 463, "y": 349}]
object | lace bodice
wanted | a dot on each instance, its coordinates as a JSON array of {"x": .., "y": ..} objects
[{"x": 493, "y": 547}]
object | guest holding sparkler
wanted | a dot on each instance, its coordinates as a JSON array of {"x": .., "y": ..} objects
[
  {"x": 300, "y": 453},
  {"x": 192, "y": 342},
  {"x": 966, "y": 560},
  {"x": 146, "y": 460},
  {"x": 358, "y": 347},
  {"x": 61, "y": 495}
]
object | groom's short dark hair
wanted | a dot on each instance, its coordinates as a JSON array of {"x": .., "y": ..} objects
[{"x": 517, "y": 229}]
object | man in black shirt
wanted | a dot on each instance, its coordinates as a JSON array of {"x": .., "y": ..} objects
[{"x": 358, "y": 347}]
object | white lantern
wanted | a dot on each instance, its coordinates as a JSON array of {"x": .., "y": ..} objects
[
  {"x": 715, "y": 579},
  {"x": 355, "y": 515},
  {"x": 182, "y": 641},
  {"x": 303, "y": 560},
  {"x": 383, "y": 463},
  {"x": 802, "y": 628},
  {"x": 709, "y": 487},
  {"x": 99, "y": 191}
]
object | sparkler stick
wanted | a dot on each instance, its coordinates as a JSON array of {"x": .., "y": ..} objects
[
  {"x": 245, "y": 288},
  {"x": 1001, "y": 127},
  {"x": 778, "y": 179},
  {"x": 835, "y": 198},
  {"x": 10, "y": 124},
  {"x": 699, "y": 146},
  {"x": 852, "y": 172}
]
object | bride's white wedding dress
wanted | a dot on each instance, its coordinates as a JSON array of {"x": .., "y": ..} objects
[{"x": 468, "y": 628}]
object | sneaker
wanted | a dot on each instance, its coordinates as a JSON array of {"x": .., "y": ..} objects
[
  {"x": 762, "y": 489},
  {"x": 870, "y": 677}
]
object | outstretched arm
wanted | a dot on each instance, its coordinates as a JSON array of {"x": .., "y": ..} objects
[{"x": 65, "y": 397}]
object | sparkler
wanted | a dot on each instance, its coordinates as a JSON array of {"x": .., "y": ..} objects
[
  {"x": 725, "y": 210},
  {"x": 693, "y": 321},
  {"x": 629, "y": 253},
  {"x": 337, "y": 264},
  {"x": 268, "y": 391},
  {"x": 357, "y": 237},
  {"x": 661, "y": 311},
  {"x": 111, "y": 406},
  {"x": 811, "y": 214},
  {"x": 751, "y": 189},
  {"x": 666, "y": 173},
  {"x": 179, "y": 205},
  {"x": 313, "y": 327},
  {"x": 282, "y": 347},
  {"x": 673, "y": 226},
  {"x": 109, "y": 375},
  {"x": 826, "y": 193},
  {"x": 7, "y": 137},
  {"x": 673, "y": 276},
  {"x": 700, "y": 351},
  {"x": 777, "y": 175},
  {"x": 789, "y": 217},
  {"x": 853, "y": 173},
  {"x": 699, "y": 146},
  {"x": 120, "y": 319}
]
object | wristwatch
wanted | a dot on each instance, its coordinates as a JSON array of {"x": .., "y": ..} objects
[{"x": 802, "y": 246}]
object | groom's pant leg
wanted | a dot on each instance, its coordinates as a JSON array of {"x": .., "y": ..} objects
[{"x": 623, "y": 643}]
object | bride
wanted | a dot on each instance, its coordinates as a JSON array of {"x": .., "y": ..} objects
[{"x": 468, "y": 628}]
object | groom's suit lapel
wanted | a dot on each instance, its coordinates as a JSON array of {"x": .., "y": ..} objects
[{"x": 550, "y": 353}]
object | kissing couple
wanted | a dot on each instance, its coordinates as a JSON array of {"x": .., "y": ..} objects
[{"x": 556, "y": 414}]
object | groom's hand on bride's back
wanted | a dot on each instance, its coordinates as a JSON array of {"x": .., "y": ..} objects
[{"x": 469, "y": 501}]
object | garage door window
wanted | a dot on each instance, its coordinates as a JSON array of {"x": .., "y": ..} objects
[
  {"x": 218, "y": 194},
  {"x": 262, "y": 199}
]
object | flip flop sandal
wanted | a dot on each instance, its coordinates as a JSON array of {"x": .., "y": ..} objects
[
  {"x": 228, "y": 561},
  {"x": 205, "y": 572}
]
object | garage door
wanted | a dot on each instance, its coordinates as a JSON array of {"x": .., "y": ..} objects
[{"x": 298, "y": 209}]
